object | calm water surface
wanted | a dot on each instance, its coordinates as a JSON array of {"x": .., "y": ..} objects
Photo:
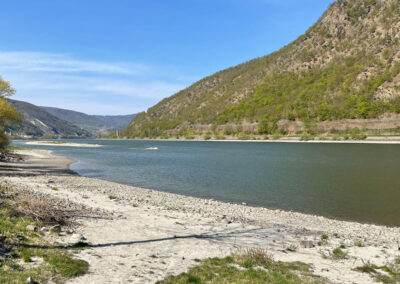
[{"x": 347, "y": 181}]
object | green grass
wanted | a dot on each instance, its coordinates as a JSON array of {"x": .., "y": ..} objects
[
  {"x": 67, "y": 266},
  {"x": 24, "y": 247},
  {"x": 250, "y": 266},
  {"x": 112, "y": 197},
  {"x": 389, "y": 273},
  {"x": 359, "y": 243},
  {"x": 338, "y": 253}
]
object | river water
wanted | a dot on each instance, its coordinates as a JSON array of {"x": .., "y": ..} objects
[{"x": 358, "y": 182}]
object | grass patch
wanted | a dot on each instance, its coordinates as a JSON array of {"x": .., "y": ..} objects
[
  {"x": 246, "y": 266},
  {"x": 112, "y": 197},
  {"x": 67, "y": 266},
  {"x": 323, "y": 241},
  {"x": 389, "y": 273},
  {"x": 25, "y": 253},
  {"x": 367, "y": 268},
  {"x": 359, "y": 244},
  {"x": 338, "y": 253}
]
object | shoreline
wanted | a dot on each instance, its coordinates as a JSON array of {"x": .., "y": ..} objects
[
  {"x": 216, "y": 228},
  {"x": 62, "y": 144},
  {"x": 370, "y": 140}
]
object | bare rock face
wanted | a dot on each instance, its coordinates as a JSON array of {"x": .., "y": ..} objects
[
  {"x": 389, "y": 90},
  {"x": 386, "y": 94}
]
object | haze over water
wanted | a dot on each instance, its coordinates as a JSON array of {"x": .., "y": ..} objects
[{"x": 358, "y": 182}]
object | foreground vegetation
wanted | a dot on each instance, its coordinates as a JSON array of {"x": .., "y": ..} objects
[
  {"x": 389, "y": 273},
  {"x": 25, "y": 250},
  {"x": 249, "y": 266}
]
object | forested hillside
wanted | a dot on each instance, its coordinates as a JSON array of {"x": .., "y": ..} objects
[{"x": 346, "y": 66}]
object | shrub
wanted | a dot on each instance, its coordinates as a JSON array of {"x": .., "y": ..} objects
[
  {"x": 243, "y": 136},
  {"x": 207, "y": 136},
  {"x": 338, "y": 253}
]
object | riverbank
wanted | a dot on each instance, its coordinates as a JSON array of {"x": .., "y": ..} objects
[
  {"x": 153, "y": 234},
  {"x": 62, "y": 144},
  {"x": 368, "y": 140}
]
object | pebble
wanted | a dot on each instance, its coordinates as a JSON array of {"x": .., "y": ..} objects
[{"x": 32, "y": 228}]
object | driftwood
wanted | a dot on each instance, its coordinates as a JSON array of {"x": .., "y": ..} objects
[
  {"x": 7, "y": 156},
  {"x": 52, "y": 212},
  {"x": 46, "y": 209}
]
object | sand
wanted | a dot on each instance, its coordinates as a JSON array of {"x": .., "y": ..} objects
[
  {"x": 63, "y": 144},
  {"x": 153, "y": 234}
]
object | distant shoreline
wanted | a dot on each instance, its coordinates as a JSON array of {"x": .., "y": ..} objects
[
  {"x": 369, "y": 140},
  {"x": 62, "y": 144}
]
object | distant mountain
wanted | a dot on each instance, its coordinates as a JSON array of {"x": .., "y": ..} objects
[
  {"x": 346, "y": 66},
  {"x": 96, "y": 124},
  {"x": 117, "y": 121},
  {"x": 38, "y": 122},
  {"x": 82, "y": 120}
]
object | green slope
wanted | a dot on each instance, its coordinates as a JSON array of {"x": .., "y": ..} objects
[{"x": 345, "y": 66}]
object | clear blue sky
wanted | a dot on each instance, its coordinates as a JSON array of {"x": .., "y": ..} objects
[{"x": 123, "y": 56}]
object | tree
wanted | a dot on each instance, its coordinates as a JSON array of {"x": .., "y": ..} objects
[{"x": 8, "y": 113}]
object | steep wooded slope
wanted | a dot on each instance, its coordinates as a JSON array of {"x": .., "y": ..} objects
[{"x": 345, "y": 66}]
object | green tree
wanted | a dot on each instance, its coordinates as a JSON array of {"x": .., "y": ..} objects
[{"x": 8, "y": 113}]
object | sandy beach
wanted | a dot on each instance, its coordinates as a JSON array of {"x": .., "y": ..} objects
[
  {"x": 62, "y": 144},
  {"x": 151, "y": 234}
]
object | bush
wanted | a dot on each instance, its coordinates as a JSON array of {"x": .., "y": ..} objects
[
  {"x": 305, "y": 136},
  {"x": 243, "y": 136},
  {"x": 189, "y": 135},
  {"x": 207, "y": 136}
]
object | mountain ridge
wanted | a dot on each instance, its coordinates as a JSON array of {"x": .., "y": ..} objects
[
  {"x": 38, "y": 123},
  {"x": 96, "y": 124}
]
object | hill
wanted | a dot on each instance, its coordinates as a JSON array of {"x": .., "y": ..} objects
[
  {"x": 96, "y": 124},
  {"x": 116, "y": 121},
  {"x": 82, "y": 120},
  {"x": 345, "y": 67},
  {"x": 38, "y": 122}
]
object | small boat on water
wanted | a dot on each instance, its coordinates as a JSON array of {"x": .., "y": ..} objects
[{"x": 152, "y": 148}]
